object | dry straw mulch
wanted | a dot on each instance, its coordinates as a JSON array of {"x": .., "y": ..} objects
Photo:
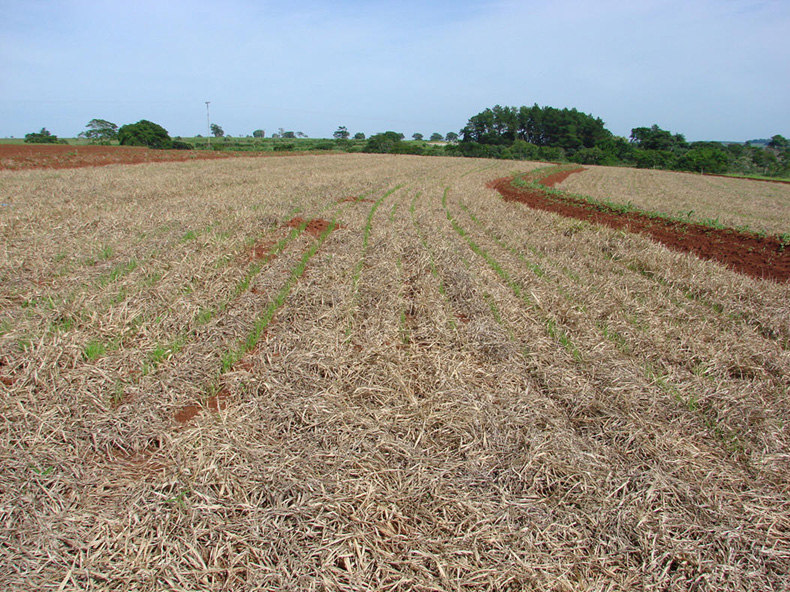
[
  {"x": 759, "y": 205},
  {"x": 442, "y": 391}
]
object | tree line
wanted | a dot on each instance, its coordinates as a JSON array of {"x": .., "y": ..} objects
[
  {"x": 547, "y": 133},
  {"x": 518, "y": 133},
  {"x": 100, "y": 131}
]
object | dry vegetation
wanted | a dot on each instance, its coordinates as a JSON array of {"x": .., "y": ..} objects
[
  {"x": 434, "y": 389},
  {"x": 760, "y": 205}
]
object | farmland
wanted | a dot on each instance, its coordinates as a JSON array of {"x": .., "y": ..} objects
[
  {"x": 732, "y": 202},
  {"x": 349, "y": 372}
]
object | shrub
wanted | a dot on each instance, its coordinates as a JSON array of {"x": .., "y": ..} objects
[
  {"x": 406, "y": 148},
  {"x": 522, "y": 150},
  {"x": 42, "y": 137},
  {"x": 589, "y": 156},
  {"x": 144, "y": 133},
  {"x": 383, "y": 143}
]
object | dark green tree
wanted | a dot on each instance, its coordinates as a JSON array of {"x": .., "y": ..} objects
[
  {"x": 779, "y": 142},
  {"x": 217, "y": 131},
  {"x": 654, "y": 159},
  {"x": 417, "y": 137},
  {"x": 100, "y": 131},
  {"x": 592, "y": 155},
  {"x": 451, "y": 137},
  {"x": 617, "y": 150},
  {"x": 144, "y": 133},
  {"x": 259, "y": 133},
  {"x": 704, "y": 159},
  {"x": 359, "y": 136},
  {"x": 521, "y": 150},
  {"x": 567, "y": 129},
  {"x": 436, "y": 137},
  {"x": 42, "y": 137},
  {"x": 654, "y": 138},
  {"x": 341, "y": 133},
  {"x": 384, "y": 142}
]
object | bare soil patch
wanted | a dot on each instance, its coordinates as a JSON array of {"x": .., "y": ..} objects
[
  {"x": 215, "y": 403},
  {"x": 763, "y": 257},
  {"x": 61, "y": 156},
  {"x": 315, "y": 227},
  {"x": 354, "y": 199}
]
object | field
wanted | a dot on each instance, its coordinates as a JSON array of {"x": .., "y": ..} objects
[
  {"x": 371, "y": 372},
  {"x": 16, "y": 157},
  {"x": 759, "y": 205}
]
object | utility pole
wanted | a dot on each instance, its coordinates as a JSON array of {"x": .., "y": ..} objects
[{"x": 208, "y": 126}]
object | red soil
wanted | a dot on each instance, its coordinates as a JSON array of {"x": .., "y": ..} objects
[
  {"x": 354, "y": 199},
  {"x": 5, "y": 379},
  {"x": 315, "y": 227},
  {"x": 762, "y": 257},
  {"x": 62, "y": 156},
  {"x": 215, "y": 403},
  {"x": 261, "y": 251}
]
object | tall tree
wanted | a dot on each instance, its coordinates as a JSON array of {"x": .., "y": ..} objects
[
  {"x": 217, "y": 131},
  {"x": 568, "y": 129},
  {"x": 779, "y": 142},
  {"x": 100, "y": 131},
  {"x": 655, "y": 138},
  {"x": 341, "y": 133}
]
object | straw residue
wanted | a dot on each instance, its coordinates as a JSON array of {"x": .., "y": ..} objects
[{"x": 455, "y": 393}]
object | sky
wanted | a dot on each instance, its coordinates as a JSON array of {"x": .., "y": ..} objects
[{"x": 711, "y": 70}]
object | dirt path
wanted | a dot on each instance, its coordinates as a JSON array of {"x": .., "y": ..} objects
[{"x": 762, "y": 257}]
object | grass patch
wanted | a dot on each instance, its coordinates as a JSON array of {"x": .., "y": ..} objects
[
  {"x": 94, "y": 350},
  {"x": 106, "y": 253}
]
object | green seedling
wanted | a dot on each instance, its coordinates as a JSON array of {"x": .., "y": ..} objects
[{"x": 94, "y": 350}]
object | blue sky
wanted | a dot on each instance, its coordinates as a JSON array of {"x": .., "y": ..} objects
[{"x": 707, "y": 69}]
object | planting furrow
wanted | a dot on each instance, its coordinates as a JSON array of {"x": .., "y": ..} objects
[
  {"x": 687, "y": 273},
  {"x": 356, "y": 277},
  {"x": 356, "y": 403},
  {"x": 573, "y": 321},
  {"x": 614, "y": 382},
  {"x": 594, "y": 404},
  {"x": 688, "y": 373}
]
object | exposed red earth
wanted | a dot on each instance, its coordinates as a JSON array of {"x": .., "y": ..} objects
[
  {"x": 62, "y": 156},
  {"x": 315, "y": 227},
  {"x": 259, "y": 251},
  {"x": 764, "y": 257},
  {"x": 215, "y": 403}
]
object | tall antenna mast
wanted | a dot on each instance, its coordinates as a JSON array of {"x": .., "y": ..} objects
[{"x": 208, "y": 126}]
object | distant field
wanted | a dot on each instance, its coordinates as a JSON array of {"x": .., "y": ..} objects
[
  {"x": 361, "y": 371},
  {"x": 760, "y": 205}
]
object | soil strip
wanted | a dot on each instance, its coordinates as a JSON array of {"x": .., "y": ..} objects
[{"x": 61, "y": 156}]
